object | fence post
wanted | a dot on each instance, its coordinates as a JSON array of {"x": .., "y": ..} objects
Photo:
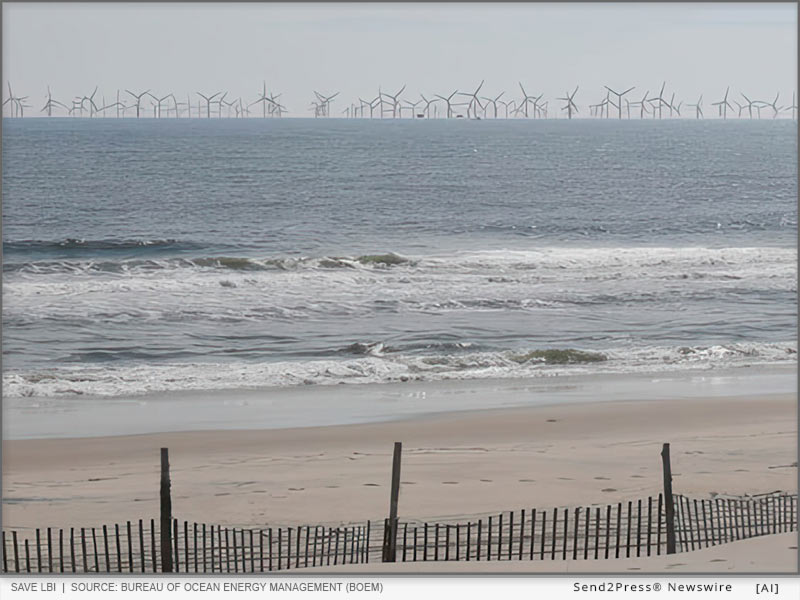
[
  {"x": 390, "y": 547},
  {"x": 166, "y": 514},
  {"x": 668, "y": 501}
]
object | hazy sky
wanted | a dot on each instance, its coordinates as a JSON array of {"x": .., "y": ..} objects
[{"x": 433, "y": 48}]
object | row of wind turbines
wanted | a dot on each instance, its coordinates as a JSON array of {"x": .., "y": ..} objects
[{"x": 458, "y": 104}]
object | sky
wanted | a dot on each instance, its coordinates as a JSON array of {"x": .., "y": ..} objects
[{"x": 697, "y": 48}]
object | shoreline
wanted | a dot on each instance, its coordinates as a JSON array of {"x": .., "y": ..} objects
[
  {"x": 464, "y": 463},
  {"x": 337, "y": 405}
]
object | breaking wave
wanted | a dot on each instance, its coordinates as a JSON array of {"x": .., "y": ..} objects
[{"x": 377, "y": 365}]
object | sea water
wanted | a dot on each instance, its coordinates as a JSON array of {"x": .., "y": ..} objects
[{"x": 155, "y": 255}]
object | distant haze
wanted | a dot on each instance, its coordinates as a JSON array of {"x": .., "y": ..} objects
[{"x": 432, "y": 48}]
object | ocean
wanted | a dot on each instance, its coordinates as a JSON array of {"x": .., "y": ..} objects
[{"x": 173, "y": 255}]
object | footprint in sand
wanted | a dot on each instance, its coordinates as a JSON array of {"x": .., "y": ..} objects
[
  {"x": 566, "y": 479},
  {"x": 332, "y": 487},
  {"x": 450, "y": 482},
  {"x": 486, "y": 480},
  {"x": 608, "y": 490},
  {"x": 408, "y": 482},
  {"x": 296, "y": 489},
  {"x": 527, "y": 480},
  {"x": 676, "y": 565},
  {"x": 718, "y": 560},
  {"x": 603, "y": 478},
  {"x": 637, "y": 476},
  {"x": 372, "y": 484},
  {"x": 552, "y": 420}
]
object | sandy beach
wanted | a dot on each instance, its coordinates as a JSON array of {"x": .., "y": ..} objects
[{"x": 453, "y": 464}]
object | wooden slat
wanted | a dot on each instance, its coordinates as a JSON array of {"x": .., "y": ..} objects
[
  {"x": 658, "y": 517},
  {"x": 141, "y": 546},
  {"x": 27, "y": 557},
  {"x": 478, "y": 546},
  {"x": 521, "y": 533},
  {"x": 49, "y": 550},
  {"x": 544, "y": 534},
  {"x": 83, "y": 551},
  {"x": 596, "y": 532},
  {"x": 16, "y": 551},
  {"x": 130, "y": 550},
  {"x": 105, "y": 547},
  {"x": 153, "y": 552},
  {"x": 575, "y": 534},
  {"x": 608, "y": 530},
  {"x": 639, "y": 528},
  {"x": 119, "y": 549}
]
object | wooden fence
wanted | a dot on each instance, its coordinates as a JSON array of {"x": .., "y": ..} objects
[
  {"x": 635, "y": 528},
  {"x": 196, "y": 548},
  {"x": 623, "y": 530}
]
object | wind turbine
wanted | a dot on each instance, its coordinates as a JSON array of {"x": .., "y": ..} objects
[
  {"x": 447, "y": 101},
  {"x": 793, "y": 107},
  {"x": 427, "y": 110},
  {"x": 723, "y": 105},
  {"x": 473, "y": 101},
  {"x": 506, "y": 105},
  {"x": 570, "y": 104},
  {"x": 208, "y": 100},
  {"x": 493, "y": 102},
  {"x": 412, "y": 106},
  {"x": 525, "y": 100},
  {"x": 640, "y": 103},
  {"x": 159, "y": 101},
  {"x": 50, "y": 103},
  {"x": 660, "y": 100},
  {"x": 774, "y": 105},
  {"x": 619, "y": 97},
  {"x": 750, "y": 105},
  {"x": 394, "y": 103},
  {"x": 138, "y": 100},
  {"x": 699, "y": 107}
]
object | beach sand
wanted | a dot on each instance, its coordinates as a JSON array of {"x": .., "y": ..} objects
[{"x": 453, "y": 464}]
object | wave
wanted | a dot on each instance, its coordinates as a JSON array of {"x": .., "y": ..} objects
[
  {"x": 223, "y": 263},
  {"x": 675, "y": 263},
  {"x": 387, "y": 367}
]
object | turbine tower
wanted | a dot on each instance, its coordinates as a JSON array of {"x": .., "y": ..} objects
[
  {"x": 570, "y": 107},
  {"x": 138, "y": 101},
  {"x": 619, "y": 98}
]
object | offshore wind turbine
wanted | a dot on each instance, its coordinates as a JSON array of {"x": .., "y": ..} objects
[
  {"x": 493, "y": 102},
  {"x": 474, "y": 100},
  {"x": 774, "y": 105},
  {"x": 394, "y": 103},
  {"x": 525, "y": 100},
  {"x": 138, "y": 100},
  {"x": 793, "y": 107},
  {"x": 208, "y": 100},
  {"x": 448, "y": 102},
  {"x": 641, "y": 104},
  {"x": 698, "y": 106},
  {"x": 570, "y": 104},
  {"x": 660, "y": 100},
  {"x": 619, "y": 97},
  {"x": 50, "y": 103},
  {"x": 427, "y": 110},
  {"x": 159, "y": 101},
  {"x": 750, "y": 104},
  {"x": 723, "y": 105}
]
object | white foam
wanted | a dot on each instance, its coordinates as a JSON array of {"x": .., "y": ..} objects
[{"x": 110, "y": 380}]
